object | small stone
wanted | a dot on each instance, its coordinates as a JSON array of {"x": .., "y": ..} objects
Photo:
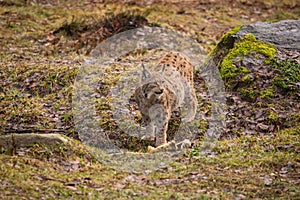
[
  {"x": 263, "y": 127},
  {"x": 284, "y": 170},
  {"x": 268, "y": 180},
  {"x": 71, "y": 188}
]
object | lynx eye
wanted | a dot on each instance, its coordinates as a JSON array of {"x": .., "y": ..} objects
[{"x": 159, "y": 92}]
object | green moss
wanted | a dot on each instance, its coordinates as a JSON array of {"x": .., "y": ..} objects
[
  {"x": 268, "y": 93},
  {"x": 287, "y": 75},
  {"x": 246, "y": 79},
  {"x": 246, "y": 46},
  {"x": 230, "y": 33},
  {"x": 18, "y": 107},
  {"x": 273, "y": 117},
  {"x": 225, "y": 42},
  {"x": 248, "y": 93}
]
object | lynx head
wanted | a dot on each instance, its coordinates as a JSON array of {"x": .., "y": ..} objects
[{"x": 153, "y": 84}]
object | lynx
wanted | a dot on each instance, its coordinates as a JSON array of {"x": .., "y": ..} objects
[{"x": 163, "y": 89}]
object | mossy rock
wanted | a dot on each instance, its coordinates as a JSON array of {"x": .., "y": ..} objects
[
  {"x": 260, "y": 71},
  {"x": 255, "y": 44},
  {"x": 283, "y": 34},
  {"x": 248, "y": 45},
  {"x": 45, "y": 146}
]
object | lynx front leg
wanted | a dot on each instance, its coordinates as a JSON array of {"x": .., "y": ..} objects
[
  {"x": 159, "y": 117},
  {"x": 161, "y": 133},
  {"x": 148, "y": 131}
]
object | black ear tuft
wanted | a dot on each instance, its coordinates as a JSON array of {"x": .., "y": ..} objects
[{"x": 146, "y": 73}]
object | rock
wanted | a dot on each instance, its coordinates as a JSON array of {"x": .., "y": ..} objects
[
  {"x": 268, "y": 180},
  {"x": 284, "y": 34},
  {"x": 254, "y": 62},
  {"x": 23, "y": 140},
  {"x": 263, "y": 127}
]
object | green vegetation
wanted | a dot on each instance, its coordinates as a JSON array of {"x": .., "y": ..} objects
[
  {"x": 248, "y": 45},
  {"x": 70, "y": 172},
  {"x": 287, "y": 75},
  {"x": 273, "y": 117},
  {"x": 224, "y": 45},
  {"x": 248, "y": 93},
  {"x": 246, "y": 79},
  {"x": 246, "y": 151},
  {"x": 226, "y": 40},
  {"x": 267, "y": 93}
]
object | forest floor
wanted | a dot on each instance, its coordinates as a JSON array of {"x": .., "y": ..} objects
[{"x": 42, "y": 47}]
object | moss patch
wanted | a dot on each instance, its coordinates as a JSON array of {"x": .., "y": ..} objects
[
  {"x": 287, "y": 75},
  {"x": 246, "y": 46},
  {"x": 267, "y": 93},
  {"x": 248, "y": 93},
  {"x": 226, "y": 43},
  {"x": 225, "y": 39}
]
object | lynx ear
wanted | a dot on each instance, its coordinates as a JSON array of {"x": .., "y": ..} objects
[{"x": 146, "y": 74}]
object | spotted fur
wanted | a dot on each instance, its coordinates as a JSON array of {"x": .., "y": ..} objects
[{"x": 163, "y": 89}]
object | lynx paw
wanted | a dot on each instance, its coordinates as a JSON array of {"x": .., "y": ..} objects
[
  {"x": 148, "y": 137},
  {"x": 168, "y": 146},
  {"x": 186, "y": 143},
  {"x": 147, "y": 133}
]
